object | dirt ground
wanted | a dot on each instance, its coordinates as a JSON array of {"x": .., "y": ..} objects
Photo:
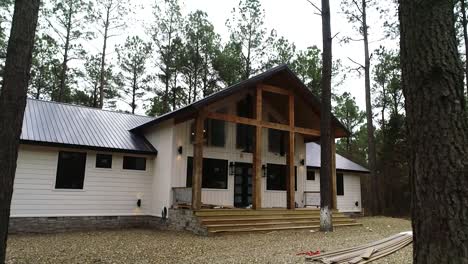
[{"x": 152, "y": 246}]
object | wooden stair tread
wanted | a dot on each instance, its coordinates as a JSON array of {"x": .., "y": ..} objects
[
  {"x": 254, "y": 218},
  {"x": 279, "y": 228},
  {"x": 273, "y": 223}
]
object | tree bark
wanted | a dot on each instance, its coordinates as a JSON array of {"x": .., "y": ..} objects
[
  {"x": 465, "y": 38},
  {"x": 432, "y": 77},
  {"x": 13, "y": 103},
  {"x": 325, "y": 123},
  {"x": 374, "y": 199}
]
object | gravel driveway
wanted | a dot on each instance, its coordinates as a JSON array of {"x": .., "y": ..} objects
[{"x": 152, "y": 246}]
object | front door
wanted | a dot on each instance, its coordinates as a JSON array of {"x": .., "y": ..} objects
[{"x": 243, "y": 185}]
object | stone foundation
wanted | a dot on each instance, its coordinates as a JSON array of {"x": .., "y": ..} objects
[{"x": 179, "y": 220}]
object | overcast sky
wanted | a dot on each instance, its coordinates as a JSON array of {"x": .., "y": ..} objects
[{"x": 294, "y": 19}]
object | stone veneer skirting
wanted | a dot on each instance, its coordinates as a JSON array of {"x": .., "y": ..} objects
[{"x": 178, "y": 220}]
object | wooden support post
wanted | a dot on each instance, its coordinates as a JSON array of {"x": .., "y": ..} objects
[
  {"x": 197, "y": 162},
  {"x": 290, "y": 192},
  {"x": 257, "y": 155},
  {"x": 333, "y": 174}
]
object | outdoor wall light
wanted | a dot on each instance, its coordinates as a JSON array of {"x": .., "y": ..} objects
[
  {"x": 264, "y": 170},
  {"x": 179, "y": 150},
  {"x": 302, "y": 162},
  {"x": 232, "y": 167},
  {"x": 139, "y": 202}
]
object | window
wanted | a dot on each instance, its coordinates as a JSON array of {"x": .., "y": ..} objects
[
  {"x": 339, "y": 184},
  {"x": 134, "y": 163},
  {"x": 214, "y": 176},
  {"x": 310, "y": 174},
  {"x": 276, "y": 177},
  {"x": 276, "y": 141},
  {"x": 104, "y": 161},
  {"x": 245, "y": 133},
  {"x": 70, "y": 170},
  {"x": 214, "y": 132}
]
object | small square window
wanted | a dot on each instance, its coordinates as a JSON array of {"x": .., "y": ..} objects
[
  {"x": 104, "y": 161},
  {"x": 134, "y": 163},
  {"x": 310, "y": 174}
]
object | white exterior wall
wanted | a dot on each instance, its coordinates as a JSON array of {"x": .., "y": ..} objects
[
  {"x": 105, "y": 192},
  {"x": 231, "y": 153},
  {"x": 162, "y": 138},
  {"x": 352, "y": 191}
]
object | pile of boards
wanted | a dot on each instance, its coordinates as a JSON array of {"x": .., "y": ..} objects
[{"x": 365, "y": 253}]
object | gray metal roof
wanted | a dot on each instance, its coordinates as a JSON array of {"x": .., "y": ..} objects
[
  {"x": 195, "y": 106},
  {"x": 51, "y": 123},
  {"x": 342, "y": 163}
]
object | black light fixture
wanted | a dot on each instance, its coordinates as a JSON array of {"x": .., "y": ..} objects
[
  {"x": 264, "y": 170},
  {"x": 139, "y": 202},
  {"x": 179, "y": 150},
  {"x": 232, "y": 167},
  {"x": 302, "y": 162}
]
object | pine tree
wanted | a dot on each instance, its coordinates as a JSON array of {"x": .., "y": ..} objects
[{"x": 133, "y": 56}]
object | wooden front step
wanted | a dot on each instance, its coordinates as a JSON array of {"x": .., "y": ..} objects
[
  {"x": 244, "y": 220},
  {"x": 263, "y": 229}
]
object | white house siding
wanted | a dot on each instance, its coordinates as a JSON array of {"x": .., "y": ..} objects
[
  {"x": 231, "y": 153},
  {"x": 106, "y": 192},
  {"x": 352, "y": 191},
  {"x": 162, "y": 137},
  {"x": 352, "y": 194}
]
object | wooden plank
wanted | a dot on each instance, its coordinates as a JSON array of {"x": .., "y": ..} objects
[
  {"x": 265, "y": 124},
  {"x": 197, "y": 161},
  {"x": 290, "y": 192},
  {"x": 257, "y": 155},
  {"x": 275, "y": 89},
  {"x": 333, "y": 174}
]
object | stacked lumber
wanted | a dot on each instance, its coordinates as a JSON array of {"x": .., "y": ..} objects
[{"x": 365, "y": 253}]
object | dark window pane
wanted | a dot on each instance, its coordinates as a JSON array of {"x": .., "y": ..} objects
[
  {"x": 189, "y": 172},
  {"x": 245, "y": 133},
  {"x": 276, "y": 177},
  {"x": 215, "y": 172},
  {"x": 103, "y": 161},
  {"x": 310, "y": 174},
  {"x": 276, "y": 141},
  {"x": 70, "y": 170},
  {"x": 134, "y": 163},
  {"x": 217, "y": 133},
  {"x": 339, "y": 184}
]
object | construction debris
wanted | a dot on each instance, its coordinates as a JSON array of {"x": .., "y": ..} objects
[{"x": 365, "y": 253}]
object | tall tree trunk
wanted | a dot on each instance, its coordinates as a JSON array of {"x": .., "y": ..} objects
[
  {"x": 432, "y": 77},
  {"x": 325, "y": 123},
  {"x": 374, "y": 198},
  {"x": 103, "y": 61},
  {"x": 63, "y": 73},
  {"x": 13, "y": 102},
  {"x": 465, "y": 38},
  {"x": 134, "y": 90}
]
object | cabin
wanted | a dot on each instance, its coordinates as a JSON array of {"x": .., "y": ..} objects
[{"x": 228, "y": 162}]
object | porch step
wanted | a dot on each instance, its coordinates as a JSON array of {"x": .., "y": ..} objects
[
  {"x": 260, "y": 229},
  {"x": 244, "y": 220}
]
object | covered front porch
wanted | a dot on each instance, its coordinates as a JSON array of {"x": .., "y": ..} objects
[{"x": 292, "y": 115}]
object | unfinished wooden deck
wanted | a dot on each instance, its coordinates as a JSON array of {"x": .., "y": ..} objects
[{"x": 267, "y": 219}]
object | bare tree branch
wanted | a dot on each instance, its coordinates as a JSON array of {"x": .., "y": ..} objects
[
  {"x": 316, "y": 7},
  {"x": 359, "y": 64}
]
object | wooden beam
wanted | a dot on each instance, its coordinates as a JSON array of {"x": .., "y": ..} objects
[
  {"x": 265, "y": 124},
  {"x": 197, "y": 161},
  {"x": 333, "y": 175},
  {"x": 257, "y": 155},
  {"x": 290, "y": 192},
  {"x": 275, "y": 89}
]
